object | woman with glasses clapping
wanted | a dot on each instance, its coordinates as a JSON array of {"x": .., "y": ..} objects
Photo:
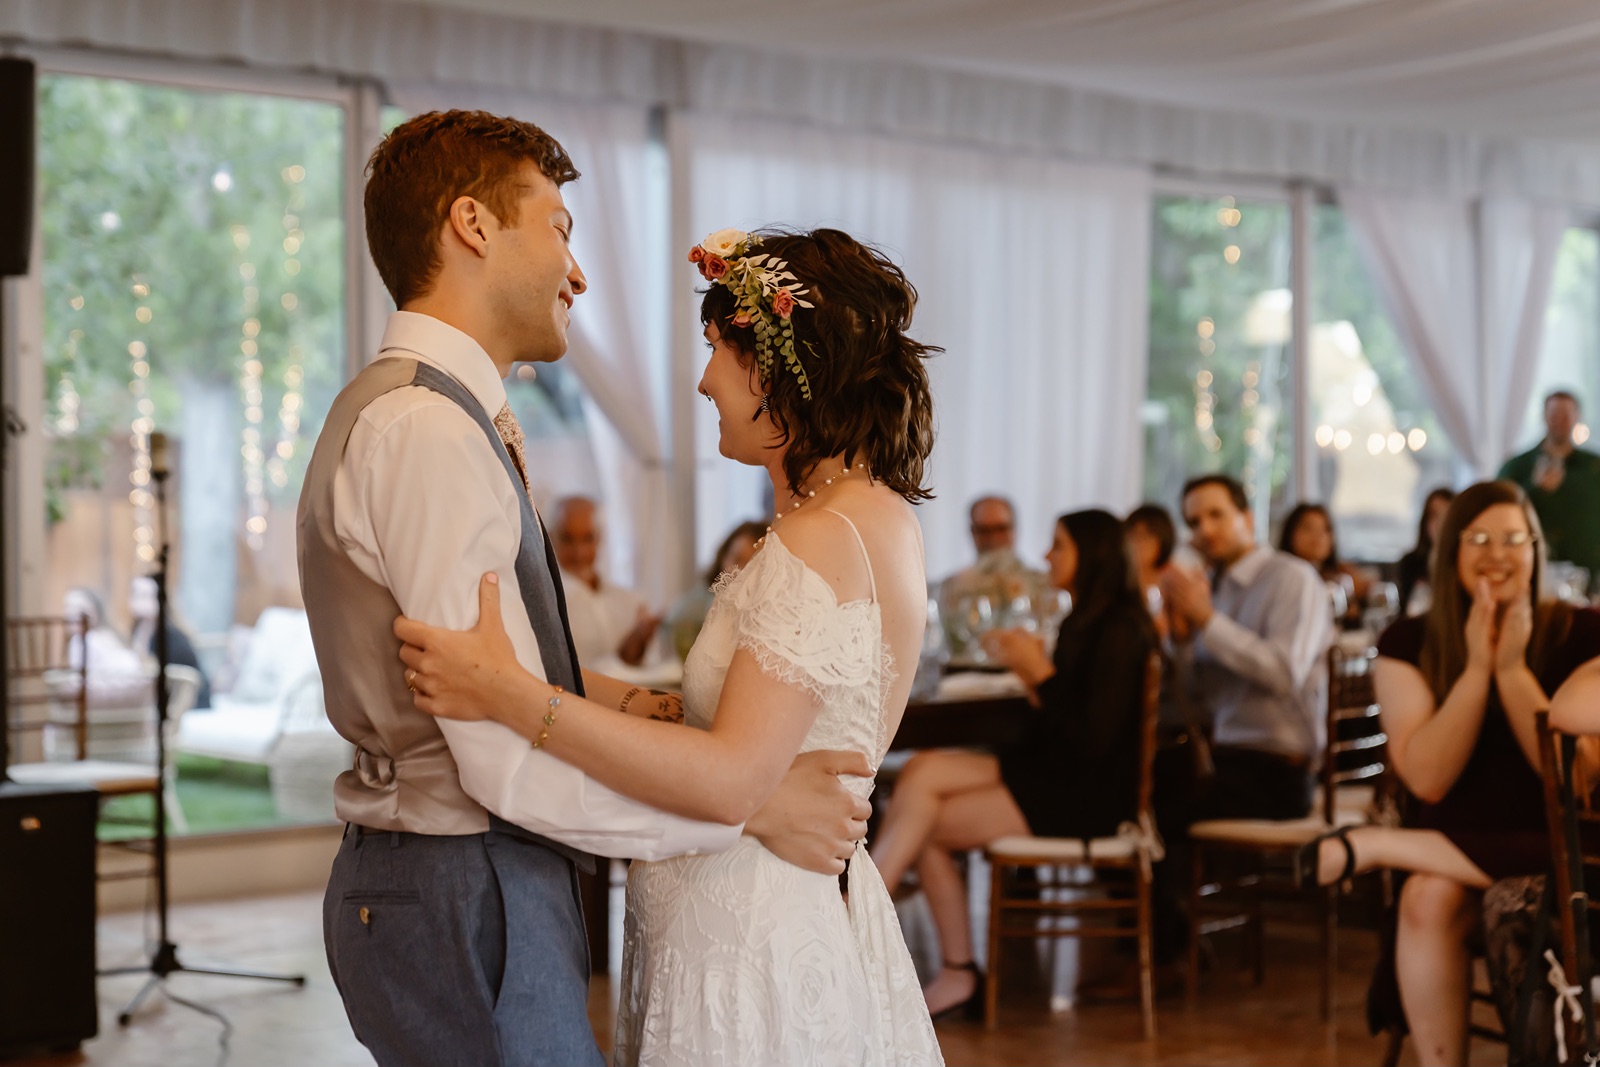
[{"x": 1459, "y": 688}]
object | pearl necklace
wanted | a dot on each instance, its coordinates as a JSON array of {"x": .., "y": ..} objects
[{"x": 809, "y": 494}]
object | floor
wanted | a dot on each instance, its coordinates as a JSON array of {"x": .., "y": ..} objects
[{"x": 272, "y": 1025}]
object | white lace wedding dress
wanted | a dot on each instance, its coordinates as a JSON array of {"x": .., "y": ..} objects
[{"x": 739, "y": 958}]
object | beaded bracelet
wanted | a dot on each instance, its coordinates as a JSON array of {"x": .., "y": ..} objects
[
  {"x": 549, "y": 717},
  {"x": 628, "y": 696}
]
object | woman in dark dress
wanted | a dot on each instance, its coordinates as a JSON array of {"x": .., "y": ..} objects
[
  {"x": 1413, "y": 567},
  {"x": 1073, "y": 773},
  {"x": 1459, "y": 689}
]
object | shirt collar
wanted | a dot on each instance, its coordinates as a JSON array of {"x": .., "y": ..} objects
[
  {"x": 1248, "y": 567},
  {"x": 441, "y": 345}
]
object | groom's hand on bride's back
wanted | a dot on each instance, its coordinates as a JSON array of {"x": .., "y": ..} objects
[{"x": 812, "y": 820}]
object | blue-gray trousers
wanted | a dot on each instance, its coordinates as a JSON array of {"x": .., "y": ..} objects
[{"x": 459, "y": 951}]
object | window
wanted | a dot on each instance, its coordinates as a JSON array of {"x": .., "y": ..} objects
[
  {"x": 1218, "y": 395},
  {"x": 1569, "y": 356},
  {"x": 1379, "y": 448},
  {"x": 193, "y": 282}
]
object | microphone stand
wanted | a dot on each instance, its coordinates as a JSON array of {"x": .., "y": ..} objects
[{"x": 164, "y": 959}]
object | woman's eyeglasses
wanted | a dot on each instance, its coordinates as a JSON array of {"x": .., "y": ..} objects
[{"x": 1480, "y": 539}]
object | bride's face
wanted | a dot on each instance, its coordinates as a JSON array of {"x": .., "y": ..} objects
[{"x": 745, "y": 432}]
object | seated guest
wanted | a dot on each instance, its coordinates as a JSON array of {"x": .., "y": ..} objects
[
  {"x": 1252, "y": 636},
  {"x": 689, "y": 613},
  {"x": 1151, "y": 537},
  {"x": 1460, "y": 688},
  {"x": 142, "y": 606},
  {"x": 607, "y": 620},
  {"x": 1308, "y": 533},
  {"x": 1415, "y": 592},
  {"x": 102, "y": 651},
  {"x": 1073, "y": 773},
  {"x": 997, "y": 573}
]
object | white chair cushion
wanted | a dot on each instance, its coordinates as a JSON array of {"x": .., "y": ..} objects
[
  {"x": 280, "y": 654},
  {"x": 101, "y": 775},
  {"x": 231, "y": 730},
  {"x": 1060, "y": 849},
  {"x": 1270, "y": 833}
]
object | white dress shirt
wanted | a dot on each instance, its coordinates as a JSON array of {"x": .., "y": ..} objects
[
  {"x": 599, "y": 618},
  {"x": 423, "y": 505}
]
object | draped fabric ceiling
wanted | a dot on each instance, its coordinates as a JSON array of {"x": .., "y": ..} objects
[
  {"x": 1464, "y": 96},
  {"x": 1503, "y": 67}
]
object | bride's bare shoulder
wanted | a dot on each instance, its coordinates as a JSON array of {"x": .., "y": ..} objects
[{"x": 822, "y": 538}]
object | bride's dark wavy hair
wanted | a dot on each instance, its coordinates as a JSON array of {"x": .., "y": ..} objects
[{"x": 869, "y": 386}]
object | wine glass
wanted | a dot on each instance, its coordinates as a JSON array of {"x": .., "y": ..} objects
[{"x": 977, "y": 619}]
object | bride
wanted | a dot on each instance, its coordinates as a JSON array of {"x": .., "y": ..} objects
[{"x": 739, "y": 957}]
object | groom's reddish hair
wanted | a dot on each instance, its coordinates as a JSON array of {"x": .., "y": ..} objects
[{"x": 425, "y": 164}]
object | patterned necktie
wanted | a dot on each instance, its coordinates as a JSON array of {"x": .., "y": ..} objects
[{"x": 511, "y": 435}]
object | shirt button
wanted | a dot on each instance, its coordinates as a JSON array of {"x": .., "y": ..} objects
[{"x": 366, "y": 917}]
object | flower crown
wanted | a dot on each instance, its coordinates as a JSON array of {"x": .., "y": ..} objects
[{"x": 765, "y": 294}]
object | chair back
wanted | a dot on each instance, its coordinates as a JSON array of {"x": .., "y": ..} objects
[
  {"x": 1149, "y": 721},
  {"x": 1357, "y": 746},
  {"x": 1569, "y": 811},
  {"x": 39, "y": 652}
]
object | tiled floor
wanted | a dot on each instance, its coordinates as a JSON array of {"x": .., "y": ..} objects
[{"x": 279, "y": 1026}]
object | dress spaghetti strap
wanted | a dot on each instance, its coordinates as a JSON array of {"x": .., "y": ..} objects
[{"x": 871, "y": 577}]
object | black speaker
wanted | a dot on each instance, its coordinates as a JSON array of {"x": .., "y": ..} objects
[
  {"x": 17, "y": 111},
  {"x": 47, "y": 913}
]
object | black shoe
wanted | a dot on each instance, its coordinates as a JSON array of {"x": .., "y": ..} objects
[
  {"x": 1308, "y": 861},
  {"x": 971, "y": 1008}
]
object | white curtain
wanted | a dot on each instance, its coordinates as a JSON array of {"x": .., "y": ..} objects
[
  {"x": 1032, "y": 273},
  {"x": 617, "y": 332},
  {"x": 1466, "y": 283}
]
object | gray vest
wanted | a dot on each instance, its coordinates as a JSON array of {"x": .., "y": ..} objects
[{"x": 404, "y": 776}]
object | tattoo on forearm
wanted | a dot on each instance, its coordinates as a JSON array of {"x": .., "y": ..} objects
[{"x": 669, "y": 706}]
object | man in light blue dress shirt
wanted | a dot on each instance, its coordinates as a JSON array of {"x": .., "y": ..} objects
[{"x": 1257, "y": 632}]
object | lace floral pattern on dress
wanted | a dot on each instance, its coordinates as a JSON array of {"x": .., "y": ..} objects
[{"x": 741, "y": 958}]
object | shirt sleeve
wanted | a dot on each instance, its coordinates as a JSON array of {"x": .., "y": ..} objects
[
  {"x": 1295, "y": 635},
  {"x": 439, "y": 513}
]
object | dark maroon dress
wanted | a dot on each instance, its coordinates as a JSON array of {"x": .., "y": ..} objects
[{"x": 1495, "y": 811}]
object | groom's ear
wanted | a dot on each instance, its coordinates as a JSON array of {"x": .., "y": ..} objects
[{"x": 468, "y": 222}]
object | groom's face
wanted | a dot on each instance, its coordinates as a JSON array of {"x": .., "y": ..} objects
[{"x": 537, "y": 277}]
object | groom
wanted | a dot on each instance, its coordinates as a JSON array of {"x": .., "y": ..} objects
[{"x": 452, "y": 921}]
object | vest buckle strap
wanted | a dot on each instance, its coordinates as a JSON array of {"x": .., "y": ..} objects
[{"x": 375, "y": 770}]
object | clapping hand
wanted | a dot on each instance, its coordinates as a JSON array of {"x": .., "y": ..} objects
[
  {"x": 1188, "y": 595},
  {"x": 1511, "y": 644},
  {"x": 1480, "y": 631}
]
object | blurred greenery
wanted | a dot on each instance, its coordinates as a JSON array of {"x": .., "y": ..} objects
[
  {"x": 216, "y": 796},
  {"x": 1191, "y": 279},
  {"x": 179, "y": 202}
]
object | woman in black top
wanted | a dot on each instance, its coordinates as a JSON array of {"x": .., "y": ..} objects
[
  {"x": 1074, "y": 772},
  {"x": 1413, "y": 566},
  {"x": 1459, "y": 689}
]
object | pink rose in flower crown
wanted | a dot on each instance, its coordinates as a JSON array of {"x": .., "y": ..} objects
[
  {"x": 696, "y": 254},
  {"x": 713, "y": 267},
  {"x": 742, "y": 319},
  {"x": 782, "y": 303}
]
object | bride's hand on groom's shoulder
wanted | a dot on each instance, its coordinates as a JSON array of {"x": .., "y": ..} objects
[
  {"x": 461, "y": 674},
  {"x": 812, "y": 820}
]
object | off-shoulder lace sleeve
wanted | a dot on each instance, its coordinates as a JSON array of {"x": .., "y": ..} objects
[{"x": 787, "y": 617}]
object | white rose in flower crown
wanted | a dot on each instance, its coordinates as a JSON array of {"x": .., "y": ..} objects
[{"x": 724, "y": 242}]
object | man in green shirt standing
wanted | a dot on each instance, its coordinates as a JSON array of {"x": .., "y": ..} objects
[{"x": 1563, "y": 482}]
